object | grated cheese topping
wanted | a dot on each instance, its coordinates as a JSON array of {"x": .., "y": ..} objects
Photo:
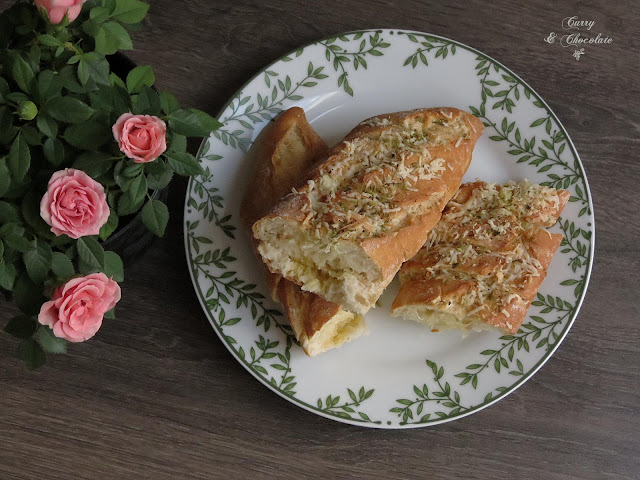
[
  {"x": 494, "y": 210},
  {"x": 376, "y": 122},
  {"x": 482, "y": 239},
  {"x": 358, "y": 196}
]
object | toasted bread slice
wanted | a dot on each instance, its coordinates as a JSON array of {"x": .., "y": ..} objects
[
  {"x": 484, "y": 262},
  {"x": 369, "y": 206},
  {"x": 282, "y": 154}
]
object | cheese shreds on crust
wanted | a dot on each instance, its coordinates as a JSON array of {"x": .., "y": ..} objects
[
  {"x": 483, "y": 262},
  {"x": 366, "y": 201}
]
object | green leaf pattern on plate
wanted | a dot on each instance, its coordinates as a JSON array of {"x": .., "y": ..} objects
[
  {"x": 341, "y": 53},
  {"x": 348, "y": 408},
  {"x": 446, "y": 400},
  {"x": 427, "y": 45}
]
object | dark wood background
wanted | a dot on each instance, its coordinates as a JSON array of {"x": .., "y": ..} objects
[{"x": 156, "y": 395}]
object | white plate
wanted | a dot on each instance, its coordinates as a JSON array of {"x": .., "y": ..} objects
[{"x": 401, "y": 375}]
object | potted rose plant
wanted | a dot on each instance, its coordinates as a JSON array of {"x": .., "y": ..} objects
[{"x": 82, "y": 151}]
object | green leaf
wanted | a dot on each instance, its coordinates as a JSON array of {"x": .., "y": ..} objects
[
  {"x": 90, "y": 27},
  {"x": 49, "y": 40},
  {"x": 17, "y": 97},
  {"x": 22, "y": 74},
  {"x": 19, "y": 158},
  {"x": 112, "y": 37},
  {"x": 158, "y": 175},
  {"x": 89, "y": 135},
  {"x": 47, "y": 125},
  {"x": 169, "y": 102},
  {"x": 9, "y": 213},
  {"x": 130, "y": 11},
  {"x": 183, "y": 163},
  {"x": 91, "y": 253},
  {"x": 49, "y": 85},
  {"x": 93, "y": 164},
  {"x": 108, "y": 228},
  {"x": 35, "y": 54},
  {"x": 99, "y": 14},
  {"x": 69, "y": 80},
  {"x": 27, "y": 295},
  {"x": 83, "y": 72},
  {"x": 138, "y": 189},
  {"x": 139, "y": 77},
  {"x": 113, "y": 266},
  {"x": 38, "y": 262},
  {"x": 31, "y": 213},
  {"x": 5, "y": 179},
  {"x": 126, "y": 206},
  {"x": 4, "y": 89},
  {"x": 14, "y": 237},
  {"x": 110, "y": 314},
  {"x": 116, "y": 81},
  {"x": 69, "y": 109},
  {"x": 103, "y": 99},
  {"x": 95, "y": 67},
  {"x": 131, "y": 171},
  {"x": 22, "y": 326},
  {"x": 7, "y": 130},
  {"x": 7, "y": 275},
  {"x": 178, "y": 143},
  {"x": 192, "y": 123},
  {"x": 31, "y": 135},
  {"x": 54, "y": 151},
  {"x": 147, "y": 102},
  {"x": 62, "y": 265},
  {"x": 32, "y": 354},
  {"x": 49, "y": 342},
  {"x": 155, "y": 215}
]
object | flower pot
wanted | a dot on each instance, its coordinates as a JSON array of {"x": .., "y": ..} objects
[{"x": 132, "y": 238}]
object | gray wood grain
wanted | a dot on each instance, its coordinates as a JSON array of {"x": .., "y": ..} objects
[{"x": 156, "y": 395}]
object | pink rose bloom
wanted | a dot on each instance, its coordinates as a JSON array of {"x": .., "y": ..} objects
[
  {"x": 76, "y": 308},
  {"x": 57, "y": 8},
  {"x": 74, "y": 204},
  {"x": 140, "y": 137}
]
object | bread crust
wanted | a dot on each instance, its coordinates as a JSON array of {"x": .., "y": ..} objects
[
  {"x": 421, "y": 286},
  {"x": 273, "y": 178},
  {"x": 281, "y": 155},
  {"x": 276, "y": 171},
  {"x": 387, "y": 250}
]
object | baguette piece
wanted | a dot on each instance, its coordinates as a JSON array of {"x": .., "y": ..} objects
[
  {"x": 282, "y": 154},
  {"x": 369, "y": 206},
  {"x": 485, "y": 260}
]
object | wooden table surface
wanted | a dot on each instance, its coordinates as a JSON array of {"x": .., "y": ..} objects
[{"x": 156, "y": 395}]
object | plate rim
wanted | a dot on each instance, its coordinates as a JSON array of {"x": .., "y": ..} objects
[{"x": 397, "y": 426}]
